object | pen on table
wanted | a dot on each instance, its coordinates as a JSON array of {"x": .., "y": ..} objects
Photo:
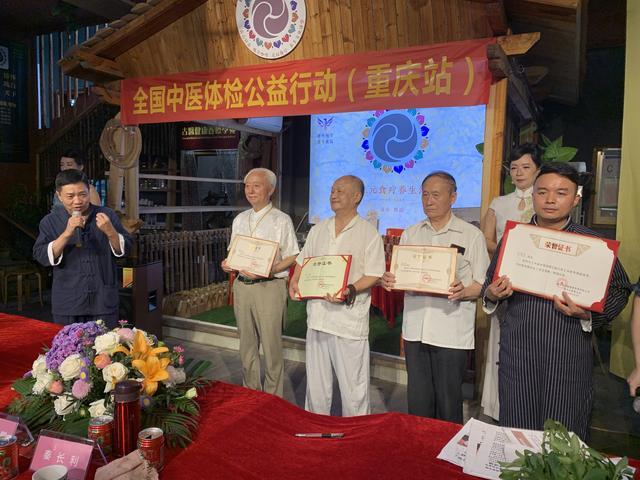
[{"x": 319, "y": 435}]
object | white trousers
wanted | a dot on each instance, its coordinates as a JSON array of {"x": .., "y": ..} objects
[
  {"x": 490, "y": 400},
  {"x": 350, "y": 360}
]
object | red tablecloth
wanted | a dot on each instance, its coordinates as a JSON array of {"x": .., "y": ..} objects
[
  {"x": 389, "y": 303},
  {"x": 246, "y": 434},
  {"x": 21, "y": 340}
]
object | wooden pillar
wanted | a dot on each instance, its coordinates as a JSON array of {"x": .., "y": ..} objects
[{"x": 495, "y": 119}]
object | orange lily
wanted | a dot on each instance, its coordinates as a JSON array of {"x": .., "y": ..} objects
[
  {"x": 154, "y": 370},
  {"x": 140, "y": 350}
]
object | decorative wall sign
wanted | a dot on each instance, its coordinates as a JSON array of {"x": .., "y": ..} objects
[
  {"x": 271, "y": 28},
  {"x": 13, "y": 102}
]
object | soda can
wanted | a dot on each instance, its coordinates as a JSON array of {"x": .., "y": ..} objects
[
  {"x": 101, "y": 431},
  {"x": 151, "y": 444},
  {"x": 8, "y": 457}
]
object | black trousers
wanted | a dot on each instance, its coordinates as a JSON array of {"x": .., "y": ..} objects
[{"x": 434, "y": 380}]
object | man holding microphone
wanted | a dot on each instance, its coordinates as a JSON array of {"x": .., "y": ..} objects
[{"x": 81, "y": 242}]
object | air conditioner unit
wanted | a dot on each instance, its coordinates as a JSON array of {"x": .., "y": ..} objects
[{"x": 263, "y": 124}]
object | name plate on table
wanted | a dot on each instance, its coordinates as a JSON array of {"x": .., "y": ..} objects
[
  {"x": 546, "y": 262},
  {"x": 8, "y": 424},
  {"x": 423, "y": 268},
  {"x": 327, "y": 274},
  {"x": 54, "y": 448},
  {"x": 253, "y": 255}
]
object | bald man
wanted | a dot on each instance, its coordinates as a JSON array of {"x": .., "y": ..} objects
[
  {"x": 260, "y": 303},
  {"x": 337, "y": 333}
]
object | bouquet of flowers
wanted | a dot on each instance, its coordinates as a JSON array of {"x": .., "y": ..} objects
[{"x": 72, "y": 381}]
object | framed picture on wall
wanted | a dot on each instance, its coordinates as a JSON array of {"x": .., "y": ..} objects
[{"x": 606, "y": 163}]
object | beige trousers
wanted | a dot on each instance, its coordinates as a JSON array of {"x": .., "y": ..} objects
[{"x": 260, "y": 311}]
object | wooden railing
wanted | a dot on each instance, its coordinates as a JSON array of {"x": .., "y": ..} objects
[{"x": 190, "y": 259}]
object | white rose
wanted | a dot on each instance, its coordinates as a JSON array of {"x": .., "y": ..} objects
[
  {"x": 176, "y": 375},
  {"x": 106, "y": 343},
  {"x": 42, "y": 383},
  {"x": 97, "y": 408},
  {"x": 39, "y": 367},
  {"x": 64, "y": 405},
  {"x": 113, "y": 373},
  {"x": 71, "y": 366}
]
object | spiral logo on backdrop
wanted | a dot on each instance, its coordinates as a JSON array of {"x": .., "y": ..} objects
[
  {"x": 271, "y": 28},
  {"x": 395, "y": 140}
]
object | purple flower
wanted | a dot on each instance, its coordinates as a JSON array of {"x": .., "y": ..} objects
[
  {"x": 80, "y": 389},
  {"x": 71, "y": 339},
  {"x": 146, "y": 402}
]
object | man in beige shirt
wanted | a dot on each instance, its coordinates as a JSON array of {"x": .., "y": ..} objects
[{"x": 260, "y": 304}]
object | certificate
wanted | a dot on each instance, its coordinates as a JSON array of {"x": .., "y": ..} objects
[
  {"x": 253, "y": 255},
  {"x": 423, "y": 268},
  {"x": 327, "y": 274},
  {"x": 546, "y": 262}
]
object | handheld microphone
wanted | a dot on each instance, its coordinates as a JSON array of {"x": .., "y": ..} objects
[{"x": 78, "y": 240}]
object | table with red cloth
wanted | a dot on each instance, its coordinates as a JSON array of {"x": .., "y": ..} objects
[
  {"x": 246, "y": 434},
  {"x": 389, "y": 303}
]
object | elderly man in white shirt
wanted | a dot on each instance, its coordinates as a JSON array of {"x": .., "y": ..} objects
[
  {"x": 438, "y": 331},
  {"x": 337, "y": 333},
  {"x": 260, "y": 304}
]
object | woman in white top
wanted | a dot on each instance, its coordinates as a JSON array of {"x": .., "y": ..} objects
[{"x": 524, "y": 163}]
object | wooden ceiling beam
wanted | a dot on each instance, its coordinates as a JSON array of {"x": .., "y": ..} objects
[
  {"x": 97, "y": 61},
  {"x": 108, "y": 93},
  {"x": 80, "y": 63},
  {"x": 144, "y": 26},
  {"x": 518, "y": 44},
  {"x": 519, "y": 92}
]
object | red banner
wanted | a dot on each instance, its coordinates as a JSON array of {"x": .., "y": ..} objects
[{"x": 450, "y": 74}]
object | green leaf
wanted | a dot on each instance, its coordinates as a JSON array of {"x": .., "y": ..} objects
[
  {"x": 198, "y": 369},
  {"x": 24, "y": 386},
  {"x": 480, "y": 148},
  {"x": 566, "y": 154}
]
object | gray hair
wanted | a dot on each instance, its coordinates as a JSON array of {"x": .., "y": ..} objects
[
  {"x": 446, "y": 176},
  {"x": 268, "y": 174}
]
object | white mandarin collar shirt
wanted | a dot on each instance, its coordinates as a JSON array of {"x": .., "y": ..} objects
[
  {"x": 434, "y": 319},
  {"x": 362, "y": 241},
  {"x": 268, "y": 224}
]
